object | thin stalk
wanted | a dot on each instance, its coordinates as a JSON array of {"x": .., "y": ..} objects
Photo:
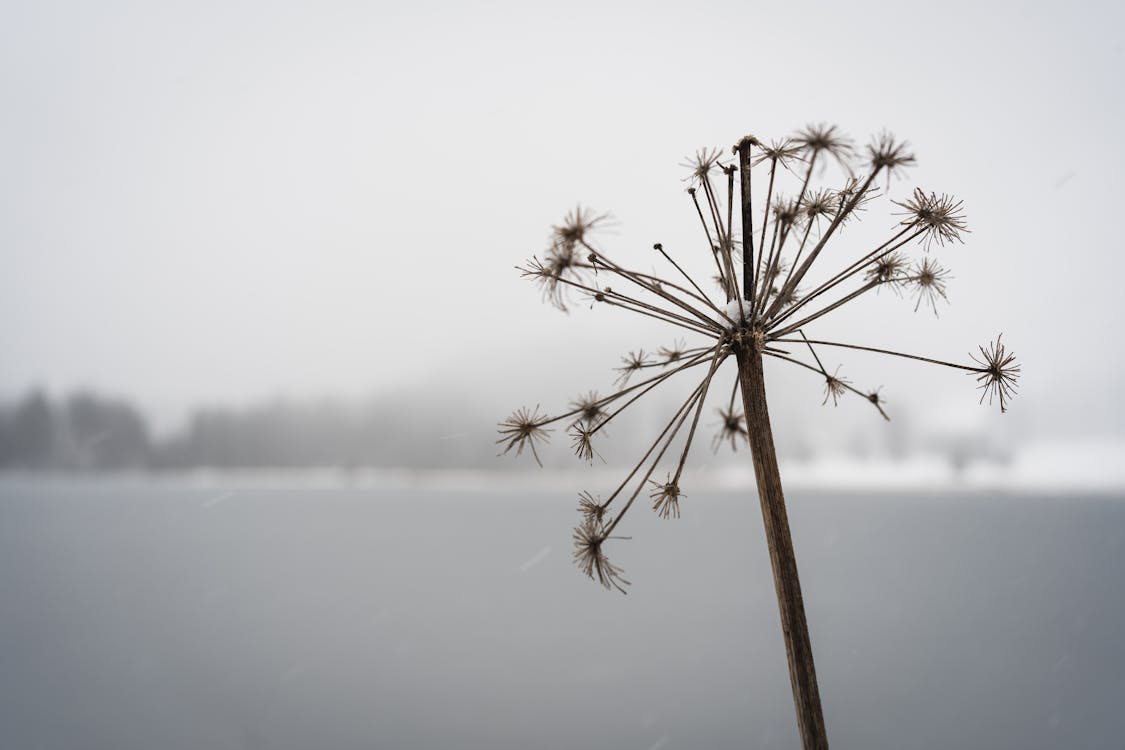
[
  {"x": 882, "y": 351},
  {"x": 657, "y": 379},
  {"x": 710, "y": 242},
  {"x": 708, "y": 328},
  {"x": 764, "y": 274},
  {"x": 653, "y": 284},
  {"x": 697, "y": 361},
  {"x": 873, "y": 257},
  {"x": 794, "y": 626},
  {"x": 853, "y": 389},
  {"x": 837, "y": 220},
  {"x": 842, "y": 301},
  {"x": 814, "y": 354},
  {"x": 801, "y": 195},
  {"x": 628, "y": 303},
  {"x": 684, "y": 407},
  {"x": 730, "y": 211},
  {"x": 690, "y": 280},
  {"x": 698, "y": 395},
  {"x": 772, "y": 271},
  {"x": 695, "y": 420},
  {"x": 724, "y": 240},
  {"x": 777, "y": 302},
  {"x": 766, "y": 212}
]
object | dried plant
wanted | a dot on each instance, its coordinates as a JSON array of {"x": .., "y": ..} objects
[{"x": 752, "y": 312}]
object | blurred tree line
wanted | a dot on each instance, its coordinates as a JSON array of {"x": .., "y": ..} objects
[
  {"x": 91, "y": 432},
  {"x": 85, "y": 431}
]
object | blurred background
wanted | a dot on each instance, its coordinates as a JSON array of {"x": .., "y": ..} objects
[{"x": 259, "y": 317}]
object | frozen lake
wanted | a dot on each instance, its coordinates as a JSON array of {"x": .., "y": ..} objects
[{"x": 147, "y": 617}]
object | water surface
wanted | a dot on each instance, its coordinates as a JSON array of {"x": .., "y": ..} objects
[{"x": 142, "y": 616}]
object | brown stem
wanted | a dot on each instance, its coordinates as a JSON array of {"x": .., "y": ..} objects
[
  {"x": 798, "y": 647},
  {"x": 747, "y": 221}
]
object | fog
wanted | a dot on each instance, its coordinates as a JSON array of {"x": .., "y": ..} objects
[{"x": 225, "y": 204}]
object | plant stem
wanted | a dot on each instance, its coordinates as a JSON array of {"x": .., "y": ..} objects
[
  {"x": 747, "y": 221},
  {"x": 798, "y": 647}
]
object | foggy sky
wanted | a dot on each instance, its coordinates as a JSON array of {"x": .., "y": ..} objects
[{"x": 218, "y": 202}]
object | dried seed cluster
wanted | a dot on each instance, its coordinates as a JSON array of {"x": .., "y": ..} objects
[{"x": 760, "y": 295}]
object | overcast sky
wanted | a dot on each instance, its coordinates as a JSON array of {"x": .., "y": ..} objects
[{"x": 224, "y": 202}]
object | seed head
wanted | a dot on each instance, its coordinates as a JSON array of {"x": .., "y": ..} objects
[
  {"x": 732, "y": 428},
  {"x": 889, "y": 270},
  {"x": 877, "y": 401},
  {"x": 929, "y": 283},
  {"x": 588, "y": 538},
  {"x": 834, "y": 387},
  {"x": 829, "y": 139},
  {"x": 523, "y": 430},
  {"x": 591, "y": 509},
  {"x": 674, "y": 353},
  {"x": 997, "y": 374},
  {"x": 666, "y": 498},
  {"x": 632, "y": 362},
  {"x": 786, "y": 212},
  {"x": 576, "y": 225},
  {"x": 818, "y": 204},
  {"x": 942, "y": 219},
  {"x": 701, "y": 165},
  {"x": 784, "y": 151},
  {"x": 581, "y": 440},
  {"x": 853, "y": 198},
  {"x": 887, "y": 154},
  {"x": 589, "y": 408}
]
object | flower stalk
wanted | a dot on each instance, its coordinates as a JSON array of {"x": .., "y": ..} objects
[
  {"x": 783, "y": 559},
  {"x": 759, "y": 317}
]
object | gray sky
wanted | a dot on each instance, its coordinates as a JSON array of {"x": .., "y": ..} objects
[{"x": 220, "y": 202}]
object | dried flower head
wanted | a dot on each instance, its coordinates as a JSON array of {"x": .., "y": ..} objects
[
  {"x": 834, "y": 387},
  {"x": 701, "y": 165},
  {"x": 783, "y": 152},
  {"x": 854, "y": 196},
  {"x": 786, "y": 212},
  {"x": 589, "y": 408},
  {"x": 938, "y": 219},
  {"x": 581, "y": 439},
  {"x": 997, "y": 374},
  {"x": 673, "y": 353},
  {"x": 666, "y": 498},
  {"x": 929, "y": 283},
  {"x": 631, "y": 363},
  {"x": 889, "y": 155},
  {"x": 576, "y": 225},
  {"x": 889, "y": 270},
  {"x": 732, "y": 427},
  {"x": 820, "y": 204},
  {"x": 523, "y": 429},
  {"x": 588, "y": 539},
  {"x": 766, "y": 296},
  {"x": 877, "y": 401},
  {"x": 828, "y": 139},
  {"x": 592, "y": 510}
]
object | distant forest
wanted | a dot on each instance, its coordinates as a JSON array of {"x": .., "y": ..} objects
[
  {"x": 85, "y": 431},
  {"x": 90, "y": 432}
]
